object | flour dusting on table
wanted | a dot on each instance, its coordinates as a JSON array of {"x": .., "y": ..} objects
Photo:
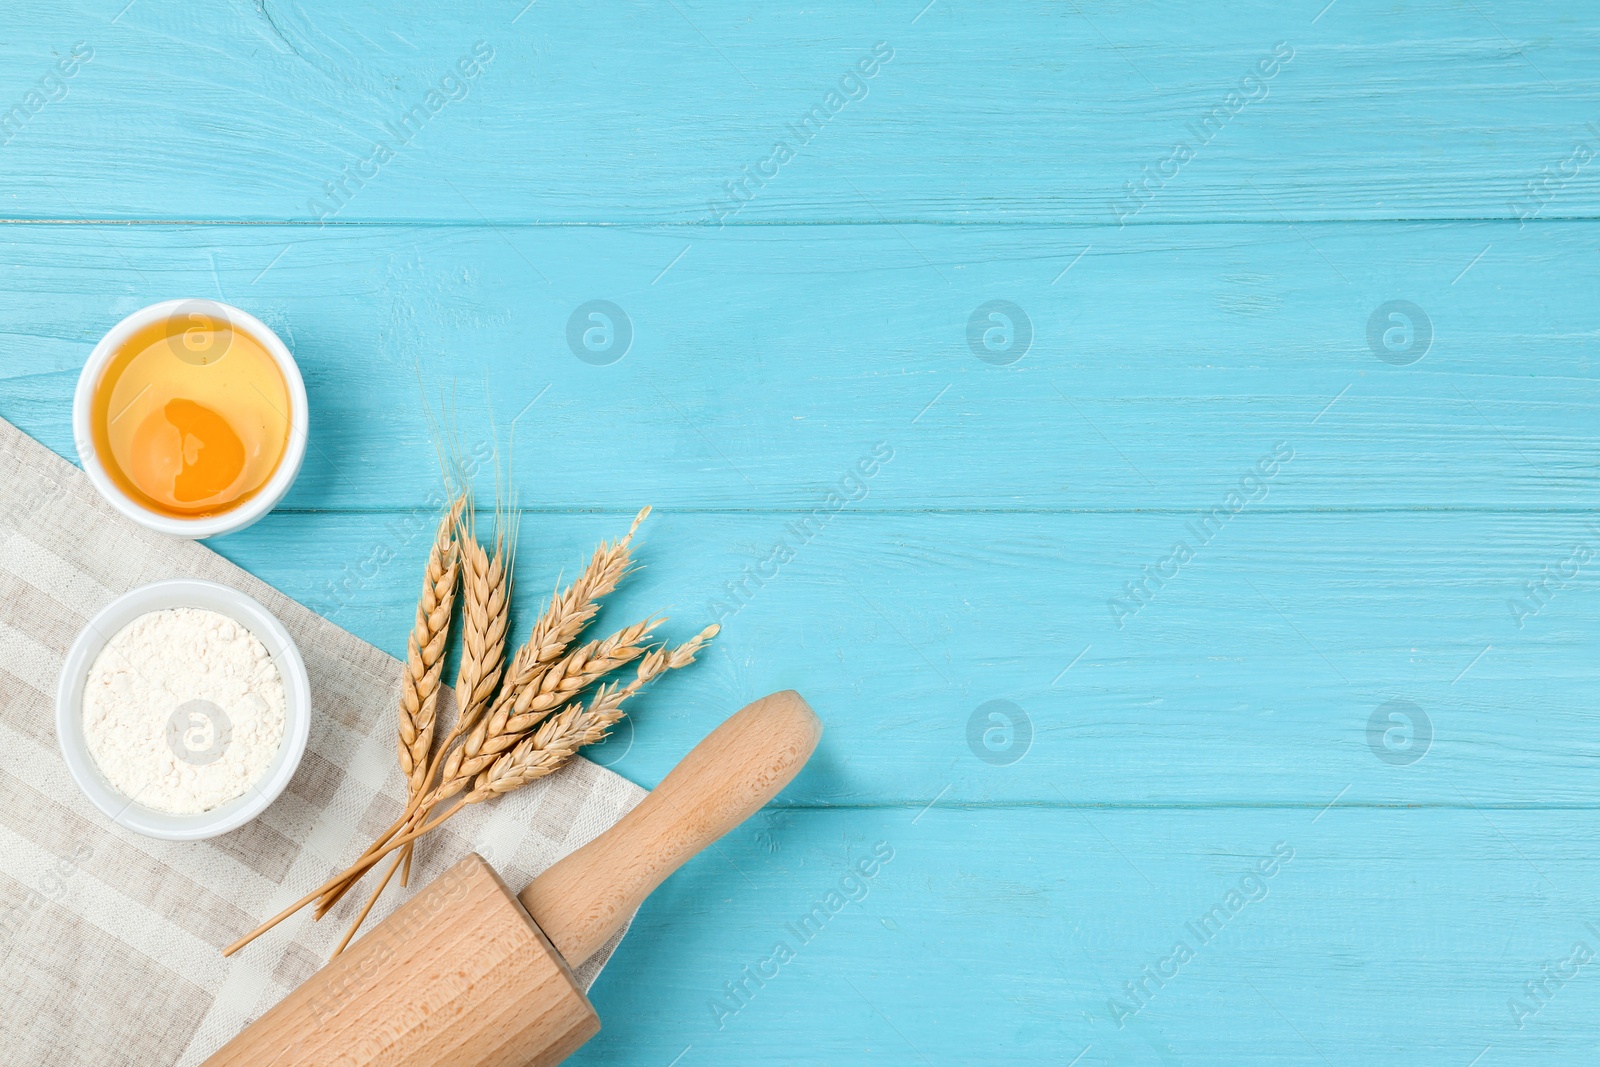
[{"x": 183, "y": 710}]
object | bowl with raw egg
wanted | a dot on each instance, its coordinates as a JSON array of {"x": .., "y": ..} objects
[{"x": 190, "y": 418}]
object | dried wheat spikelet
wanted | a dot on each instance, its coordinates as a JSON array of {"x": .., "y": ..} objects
[
  {"x": 544, "y": 686},
  {"x": 419, "y": 688},
  {"x": 525, "y": 689},
  {"x": 564, "y": 680},
  {"x": 566, "y": 617},
  {"x": 571, "y": 611},
  {"x": 485, "y": 611},
  {"x": 575, "y": 726}
]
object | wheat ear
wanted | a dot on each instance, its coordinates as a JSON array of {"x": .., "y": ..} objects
[
  {"x": 564, "y": 680},
  {"x": 419, "y": 689},
  {"x": 420, "y": 677},
  {"x": 547, "y": 674},
  {"x": 485, "y": 600},
  {"x": 485, "y": 612},
  {"x": 566, "y": 617},
  {"x": 548, "y": 748},
  {"x": 569, "y": 612},
  {"x": 563, "y": 734}
]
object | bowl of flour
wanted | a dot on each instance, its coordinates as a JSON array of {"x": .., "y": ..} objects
[{"x": 183, "y": 709}]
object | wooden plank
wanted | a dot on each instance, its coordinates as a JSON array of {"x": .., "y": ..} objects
[
  {"x": 767, "y": 362},
  {"x": 1398, "y": 936},
  {"x": 1031, "y": 111},
  {"x": 1251, "y": 675}
]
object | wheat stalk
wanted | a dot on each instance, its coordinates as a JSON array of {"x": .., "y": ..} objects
[
  {"x": 529, "y": 689},
  {"x": 559, "y": 684},
  {"x": 485, "y": 612},
  {"x": 568, "y": 614},
  {"x": 545, "y": 751},
  {"x": 424, "y": 666},
  {"x": 419, "y": 691},
  {"x": 419, "y": 688},
  {"x": 518, "y": 723},
  {"x": 576, "y": 726}
]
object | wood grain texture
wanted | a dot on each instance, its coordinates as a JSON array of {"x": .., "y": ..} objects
[
  {"x": 1393, "y": 936},
  {"x": 457, "y": 975},
  {"x": 1429, "y": 151},
  {"x": 461, "y": 974},
  {"x": 768, "y": 361},
  {"x": 1251, "y": 677},
  {"x": 1037, "y": 111}
]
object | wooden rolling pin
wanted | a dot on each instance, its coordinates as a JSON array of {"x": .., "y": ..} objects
[{"x": 465, "y": 974}]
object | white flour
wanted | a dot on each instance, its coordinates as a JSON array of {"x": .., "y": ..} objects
[{"x": 183, "y": 710}]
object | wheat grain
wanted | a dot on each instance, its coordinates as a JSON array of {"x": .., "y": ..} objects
[
  {"x": 485, "y": 603},
  {"x": 567, "y": 615},
  {"x": 485, "y": 611},
  {"x": 419, "y": 689},
  {"x": 563, "y": 681},
  {"x": 575, "y": 726}
]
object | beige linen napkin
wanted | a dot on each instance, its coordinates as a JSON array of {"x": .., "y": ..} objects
[{"x": 110, "y": 942}]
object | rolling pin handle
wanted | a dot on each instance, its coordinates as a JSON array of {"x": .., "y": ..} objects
[{"x": 585, "y": 898}]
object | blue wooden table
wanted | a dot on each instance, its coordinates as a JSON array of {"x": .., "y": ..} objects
[{"x": 1159, "y": 439}]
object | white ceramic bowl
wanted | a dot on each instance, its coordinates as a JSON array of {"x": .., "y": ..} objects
[
  {"x": 183, "y": 593},
  {"x": 236, "y": 518}
]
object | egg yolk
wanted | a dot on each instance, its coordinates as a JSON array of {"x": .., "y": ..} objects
[
  {"x": 187, "y": 449},
  {"x": 191, "y": 420}
]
